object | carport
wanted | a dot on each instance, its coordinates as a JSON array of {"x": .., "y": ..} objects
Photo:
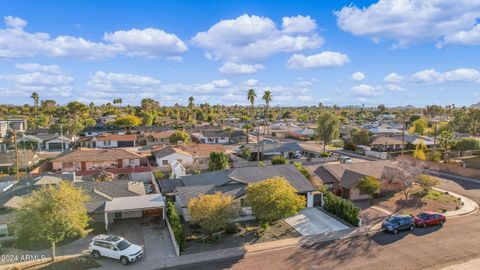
[
  {"x": 134, "y": 207},
  {"x": 310, "y": 221}
]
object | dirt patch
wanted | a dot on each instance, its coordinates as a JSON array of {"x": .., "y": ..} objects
[
  {"x": 250, "y": 233},
  {"x": 419, "y": 201}
]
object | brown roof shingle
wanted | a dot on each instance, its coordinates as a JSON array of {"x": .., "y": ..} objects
[{"x": 86, "y": 154}]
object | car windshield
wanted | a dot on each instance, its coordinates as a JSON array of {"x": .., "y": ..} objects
[
  {"x": 422, "y": 215},
  {"x": 123, "y": 244}
]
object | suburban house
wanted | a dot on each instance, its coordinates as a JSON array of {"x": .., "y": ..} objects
[
  {"x": 268, "y": 148},
  {"x": 220, "y": 136},
  {"x": 192, "y": 155},
  {"x": 234, "y": 182},
  {"x": 303, "y": 134},
  {"x": 382, "y": 130},
  {"x": 157, "y": 138},
  {"x": 342, "y": 179},
  {"x": 95, "y": 131},
  {"x": 110, "y": 141},
  {"x": 121, "y": 163},
  {"x": 49, "y": 142},
  {"x": 386, "y": 144},
  {"x": 115, "y": 200},
  {"x": 165, "y": 156}
]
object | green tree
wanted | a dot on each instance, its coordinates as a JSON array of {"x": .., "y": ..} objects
[
  {"x": 77, "y": 111},
  {"x": 466, "y": 144},
  {"x": 267, "y": 97},
  {"x": 251, "y": 96},
  {"x": 53, "y": 213},
  {"x": 246, "y": 153},
  {"x": 176, "y": 224},
  {"x": 279, "y": 160},
  {"x": 446, "y": 142},
  {"x": 328, "y": 128},
  {"x": 419, "y": 126},
  {"x": 369, "y": 185},
  {"x": 274, "y": 199},
  {"x": 248, "y": 127},
  {"x": 212, "y": 211},
  {"x": 218, "y": 161},
  {"x": 35, "y": 98},
  {"x": 180, "y": 135},
  {"x": 127, "y": 121},
  {"x": 360, "y": 137}
]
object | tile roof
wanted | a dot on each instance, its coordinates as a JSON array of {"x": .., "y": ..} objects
[{"x": 87, "y": 154}]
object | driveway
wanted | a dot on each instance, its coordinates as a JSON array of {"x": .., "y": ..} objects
[
  {"x": 312, "y": 221},
  {"x": 156, "y": 241}
]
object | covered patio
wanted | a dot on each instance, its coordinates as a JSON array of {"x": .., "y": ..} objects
[{"x": 134, "y": 207}]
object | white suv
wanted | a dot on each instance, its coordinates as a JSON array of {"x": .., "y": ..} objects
[{"x": 115, "y": 247}]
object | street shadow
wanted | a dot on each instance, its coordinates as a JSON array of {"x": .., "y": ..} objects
[
  {"x": 384, "y": 238},
  {"x": 467, "y": 185}
]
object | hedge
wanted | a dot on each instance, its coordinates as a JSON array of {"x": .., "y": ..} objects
[
  {"x": 176, "y": 224},
  {"x": 341, "y": 208}
]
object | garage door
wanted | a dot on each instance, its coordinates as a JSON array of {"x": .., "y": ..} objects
[
  {"x": 55, "y": 146},
  {"x": 125, "y": 144},
  {"x": 152, "y": 212}
]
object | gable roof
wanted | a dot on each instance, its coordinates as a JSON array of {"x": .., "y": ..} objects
[
  {"x": 168, "y": 150},
  {"x": 349, "y": 174},
  {"x": 202, "y": 150},
  {"x": 87, "y": 154},
  {"x": 233, "y": 181},
  {"x": 383, "y": 140}
]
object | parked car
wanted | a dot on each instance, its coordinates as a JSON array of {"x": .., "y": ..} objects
[
  {"x": 397, "y": 223},
  {"x": 115, "y": 247},
  {"x": 345, "y": 159},
  {"x": 426, "y": 219}
]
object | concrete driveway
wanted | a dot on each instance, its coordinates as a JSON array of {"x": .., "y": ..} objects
[{"x": 312, "y": 221}]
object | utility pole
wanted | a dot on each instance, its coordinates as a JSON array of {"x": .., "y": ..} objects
[
  {"x": 435, "y": 135},
  {"x": 16, "y": 155},
  {"x": 403, "y": 132},
  {"x": 61, "y": 136}
]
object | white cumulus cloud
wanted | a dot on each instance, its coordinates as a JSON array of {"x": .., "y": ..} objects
[
  {"x": 365, "y": 90},
  {"x": 393, "y": 78},
  {"x": 114, "y": 82},
  {"x": 410, "y": 21},
  {"x": 298, "y": 24},
  {"x": 33, "y": 67},
  {"x": 251, "y": 82},
  {"x": 251, "y": 38},
  {"x": 321, "y": 60},
  {"x": 358, "y": 76},
  {"x": 234, "y": 68}
]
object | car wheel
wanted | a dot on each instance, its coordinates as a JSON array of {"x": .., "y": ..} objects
[
  {"x": 96, "y": 254},
  {"x": 425, "y": 225},
  {"x": 395, "y": 231},
  {"x": 412, "y": 227},
  {"x": 124, "y": 260}
]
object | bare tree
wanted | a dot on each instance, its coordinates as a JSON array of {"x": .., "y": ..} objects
[{"x": 405, "y": 172}]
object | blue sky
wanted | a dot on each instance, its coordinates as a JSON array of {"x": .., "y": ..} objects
[{"x": 393, "y": 52}]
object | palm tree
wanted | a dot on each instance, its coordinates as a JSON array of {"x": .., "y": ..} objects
[
  {"x": 446, "y": 141},
  {"x": 247, "y": 128},
  {"x": 190, "y": 102},
  {"x": 267, "y": 97},
  {"x": 251, "y": 98},
  {"x": 35, "y": 98}
]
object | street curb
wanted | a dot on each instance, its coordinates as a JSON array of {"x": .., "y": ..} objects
[{"x": 465, "y": 200}]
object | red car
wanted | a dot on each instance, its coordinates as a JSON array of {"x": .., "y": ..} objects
[{"x": 426, "y": 219}]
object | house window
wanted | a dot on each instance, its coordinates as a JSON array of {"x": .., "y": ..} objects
[
  {"x": 164, "y": 162},
  {"x": 131, "y": 161},
  {"x": 179, "y": 160},
  {"x": 67, "y": 165},
  {"x": 107, "y": 143}
]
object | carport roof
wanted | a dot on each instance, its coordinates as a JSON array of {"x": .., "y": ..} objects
[{"x": 132, "y": 203}]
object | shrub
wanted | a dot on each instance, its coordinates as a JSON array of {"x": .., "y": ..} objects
[
  {"x": 427, "y": 181},
  {"x": 434, "y": 156},
  {"x": 325, "y": 154},
  {"x": 341, "y": 208},
  {"x": 176, "y": 224},
  {"x": 278, "y": 160},
  {"x": 232, "y": 228},
  {"x": 218, "y": 161},
  {"x": 158, "y": 175},
  {"x": 302, "y": 169},
  {"x": 466, "y": 144}
]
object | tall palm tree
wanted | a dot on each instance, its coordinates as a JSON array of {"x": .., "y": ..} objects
[
  {"x": 35, "y": 98},
  {"x": 190, "y": 102},
  {"x": 446, "y": 141},
  {"x": 247, "y": 128},
  {"x": 267, "y": 97},
  {"x": 251, "y": 98}
]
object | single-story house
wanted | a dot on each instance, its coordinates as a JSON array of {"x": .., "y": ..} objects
[
  {"x": 49, "y": 142},
  {"x": 157, "y": 138},
  {"x": 165, "y": 156},
  {"x": 234, "y": 182},
  {"x": 275, "y": 148},
  {"x": 189, "y": 155},
  {"x": 221, "y": 136},
  {"x": 303, "y": 134},
  {"x": 386, "y": 144},
  {"x": 111, "y": 141},
  {"x": 95, "y": 131},
  {"x": 342, "y": 179}
]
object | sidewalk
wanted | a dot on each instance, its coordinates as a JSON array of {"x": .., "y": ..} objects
[{"x": 468, "y": 207}]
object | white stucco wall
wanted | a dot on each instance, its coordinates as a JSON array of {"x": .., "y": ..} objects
[{"x": 186, "y": 160}]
